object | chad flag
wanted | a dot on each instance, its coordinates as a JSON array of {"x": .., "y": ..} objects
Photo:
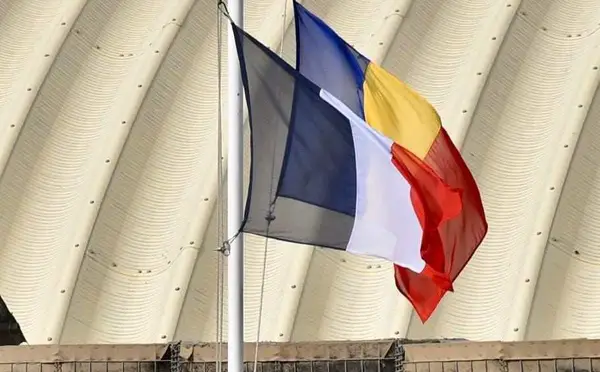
[{"x": 346, "y": 156}]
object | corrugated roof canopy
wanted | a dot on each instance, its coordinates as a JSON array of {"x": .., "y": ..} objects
[{"x": 109, "y": 157}]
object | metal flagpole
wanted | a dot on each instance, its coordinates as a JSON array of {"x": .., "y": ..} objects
[{"x": 235, "y": 213}]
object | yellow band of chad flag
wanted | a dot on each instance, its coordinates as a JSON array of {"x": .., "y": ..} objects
[{"x": 443, "y": 192}]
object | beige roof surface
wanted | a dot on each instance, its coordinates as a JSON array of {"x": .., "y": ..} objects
[{"x": 108, "y": 151}]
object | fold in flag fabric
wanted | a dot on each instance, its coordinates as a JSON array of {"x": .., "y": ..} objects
[{"x": 346, "y": 157}]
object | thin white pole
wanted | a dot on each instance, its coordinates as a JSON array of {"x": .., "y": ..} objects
[{"x": 235, "y": 263}]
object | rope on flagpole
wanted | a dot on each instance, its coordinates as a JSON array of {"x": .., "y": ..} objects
[
  {"x": 220, "y": 203},
  {"x": 223, "y": 8}
]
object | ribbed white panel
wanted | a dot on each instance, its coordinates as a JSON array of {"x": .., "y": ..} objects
[{"x": 108, "y": 154}]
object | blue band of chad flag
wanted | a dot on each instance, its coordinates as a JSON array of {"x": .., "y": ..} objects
[{"x": 321, "y": 176}]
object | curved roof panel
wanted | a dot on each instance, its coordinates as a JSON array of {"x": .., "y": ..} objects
[{"x": 109, "y": 159}]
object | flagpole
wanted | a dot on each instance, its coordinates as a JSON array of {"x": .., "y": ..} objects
[{"x": 235, "y": 263}]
